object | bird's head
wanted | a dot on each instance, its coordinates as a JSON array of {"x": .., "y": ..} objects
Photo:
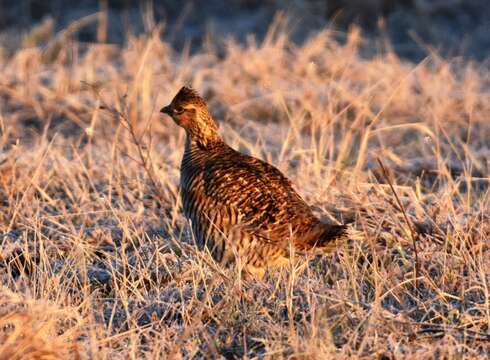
[{"x": 189, "y": 110}]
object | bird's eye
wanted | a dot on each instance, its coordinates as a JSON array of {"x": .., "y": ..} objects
[{"x": 178, "y": 110}]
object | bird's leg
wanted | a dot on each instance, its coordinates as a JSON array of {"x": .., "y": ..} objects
[{"x": 251, "y": 272}]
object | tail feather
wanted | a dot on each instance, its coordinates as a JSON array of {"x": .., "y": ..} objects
[
  {"x": 324, "y": 237},
  {"x": 331, "y": 236},
  {"x": 331, "y": 232}
]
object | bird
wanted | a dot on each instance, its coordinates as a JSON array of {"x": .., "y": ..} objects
[{"x": 242, "y": 209}]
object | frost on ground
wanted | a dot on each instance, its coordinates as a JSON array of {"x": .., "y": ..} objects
[{"x": 96, "y": 260}]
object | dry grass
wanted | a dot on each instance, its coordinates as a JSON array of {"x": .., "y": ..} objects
[{"x": 95, "y": 260}]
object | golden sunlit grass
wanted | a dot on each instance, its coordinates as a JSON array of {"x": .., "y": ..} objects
[{"x": 96, "y": 258}]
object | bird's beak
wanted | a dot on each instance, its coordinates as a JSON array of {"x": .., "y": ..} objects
[{"x": 166, "y": 110}]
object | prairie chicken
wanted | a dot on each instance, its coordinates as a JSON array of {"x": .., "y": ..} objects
[{"x": 240, "y": 208}]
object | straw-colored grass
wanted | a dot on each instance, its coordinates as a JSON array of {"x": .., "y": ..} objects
[{"x": 96, "y": 259}]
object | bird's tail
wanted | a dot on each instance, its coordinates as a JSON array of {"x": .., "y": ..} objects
[{"x": 331, "y": 236}]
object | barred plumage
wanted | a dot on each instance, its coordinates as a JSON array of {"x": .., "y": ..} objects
[{"x": 240, "y": 207}]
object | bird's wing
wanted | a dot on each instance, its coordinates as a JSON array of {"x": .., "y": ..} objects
[{"x": 260, "y": 194}]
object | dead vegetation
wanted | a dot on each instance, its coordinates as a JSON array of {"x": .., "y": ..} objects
[{"x": 96, "y": 260}]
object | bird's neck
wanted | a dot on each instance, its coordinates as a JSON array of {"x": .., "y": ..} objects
[
  {"x": 204, "y": 133},
  {"x": 202, "y": 140}
]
